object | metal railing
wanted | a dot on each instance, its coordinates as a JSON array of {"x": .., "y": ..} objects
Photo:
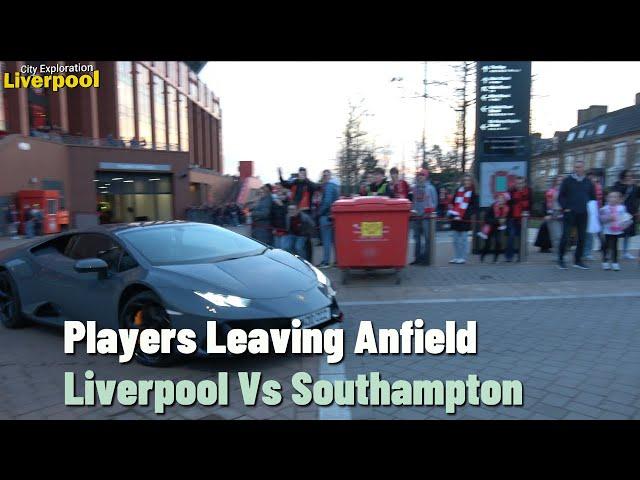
[{"x": 69, "y": 139}]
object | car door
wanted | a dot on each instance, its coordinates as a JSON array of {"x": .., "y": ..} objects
[{"x": 85, "y": 296}]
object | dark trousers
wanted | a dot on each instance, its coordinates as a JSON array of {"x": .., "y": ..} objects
[
  {"x": 421, "y": 236},
  {"x": 494, "y": 239},
  {"x": 610, "y": 248},
  {"x": 262, "y": 232},
  {"x": 570, "y": 220},
  {"x": 514, "y": 228}
]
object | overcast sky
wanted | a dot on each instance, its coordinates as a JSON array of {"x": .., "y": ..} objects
[{"x": 292, "y": 114}]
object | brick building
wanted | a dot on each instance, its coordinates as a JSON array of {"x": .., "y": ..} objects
[
  {"x": 145, "y": 144},
  {"x": 607, "y": 141}
]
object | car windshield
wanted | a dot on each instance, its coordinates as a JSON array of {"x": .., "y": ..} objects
[{"x": 195, "y": 243}]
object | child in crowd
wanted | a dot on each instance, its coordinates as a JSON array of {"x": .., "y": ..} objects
[
  {"x": 615, "y": 219},
  {"x": 495, "y": 225}
]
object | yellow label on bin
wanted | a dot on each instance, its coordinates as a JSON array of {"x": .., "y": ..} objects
[{"x": 371, "y": 229}]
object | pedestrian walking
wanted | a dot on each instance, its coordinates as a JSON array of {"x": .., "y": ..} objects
[
  {"x": 519, "y": 202},
  {"x": 615, "y": 220},
  {"x": 261, "y": 228},
  {"x": 462, "y": 211},
  {"x": 575, "y": 192},
  {"x": 630, "y": 198},
  {"x": 425, "y": 200},
  {"x": 330, "y": 193}
]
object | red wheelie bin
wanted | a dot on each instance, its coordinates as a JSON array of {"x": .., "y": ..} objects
[{"x": 371, "y": 233}]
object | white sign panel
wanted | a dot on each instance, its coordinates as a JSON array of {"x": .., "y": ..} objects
[{"x": 498, "y": 177}]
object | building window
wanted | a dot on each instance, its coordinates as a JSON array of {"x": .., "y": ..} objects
[
  {"x": 582, "y": 133},
  {"x": 172, "y": 72},
  {"x": 183, "y": 108},
  {"x": 159, "y": 114},
  {"x": 619, "y": 155},
  {"x": 601, "y": 129},
  {"x": 636, "y": 160},
  {"x": 568, "y": 163},
  {"x": 601, "y": 156},
  {"x": 126, "y": 126},
  {"x": 172, "y": 114},
  {"x": 571, "y": 136},
  {"x": 143, "y": 87},
  {"x": 553, "y": 167},
  {"x": 193, "y": 89},
  {"x": 3, "y": 117},
  {"x": 184, "y": 76}
]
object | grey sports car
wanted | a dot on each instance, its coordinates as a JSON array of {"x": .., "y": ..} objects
[{"x": 161, "y": 274}]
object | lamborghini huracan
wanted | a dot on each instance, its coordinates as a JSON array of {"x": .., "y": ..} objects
[{"x": 161, "y": 275}]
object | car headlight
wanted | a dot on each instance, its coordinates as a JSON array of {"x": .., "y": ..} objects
[
  {"x": 325, "y": 283},
  {"x": 224, "y": 300}
]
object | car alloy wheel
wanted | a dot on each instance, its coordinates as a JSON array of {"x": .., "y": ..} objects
[{"x": 145, "y": 311}]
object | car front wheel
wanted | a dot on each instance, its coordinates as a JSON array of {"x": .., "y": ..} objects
[{"x": 144, "y": 310}]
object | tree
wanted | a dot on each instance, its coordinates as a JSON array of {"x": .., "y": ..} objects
[
  {"x": 355, "y": 154},
  {"x": 368, "y": 162},
  {"x": 465, "y": 99}
]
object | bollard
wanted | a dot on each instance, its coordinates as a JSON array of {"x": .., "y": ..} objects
[
  {"x": 524, "y": 237},
  {"x": 432, "y": 238}
]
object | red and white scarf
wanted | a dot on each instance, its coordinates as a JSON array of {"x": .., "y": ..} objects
[{"x": 461, "y": 201}]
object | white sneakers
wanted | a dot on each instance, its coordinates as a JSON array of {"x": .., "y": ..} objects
[
  {"x": 615, "y": 267},
  {"x": 628, "y": 256},
  {"x": 606, "y": 266},
  {"x": 611, "y": 266},
  {"x": 457, "y": 260}
]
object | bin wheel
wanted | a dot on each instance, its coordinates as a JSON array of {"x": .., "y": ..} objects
[
  {"x": 345, "y": 276},
  {"x": 398, "y": 279}
]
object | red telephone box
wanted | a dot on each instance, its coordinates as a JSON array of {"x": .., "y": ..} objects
[{"x": 48, "y": 202}]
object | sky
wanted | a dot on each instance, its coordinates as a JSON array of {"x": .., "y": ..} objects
[{"x": 292, "y": 114}]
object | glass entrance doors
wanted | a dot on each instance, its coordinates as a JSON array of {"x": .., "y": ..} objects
[{"x": 125, "y": 197}]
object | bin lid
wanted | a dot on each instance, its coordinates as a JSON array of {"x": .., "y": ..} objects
[{"x": 371, "y": 204}]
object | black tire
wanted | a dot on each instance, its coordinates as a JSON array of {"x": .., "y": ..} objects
[
  {"x": 10, "y": 306},
  {"x": 153, "y": 315}
]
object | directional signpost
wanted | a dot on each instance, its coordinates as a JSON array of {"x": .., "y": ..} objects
[{"x": 503, "y": 147}]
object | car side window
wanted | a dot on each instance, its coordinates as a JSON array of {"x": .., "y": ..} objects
[
  {"x": 126, "y": 262},
  {"x": 95, "y": 245}
]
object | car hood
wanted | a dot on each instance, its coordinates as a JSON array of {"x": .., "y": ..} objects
[{"x": 270, "y": 275}]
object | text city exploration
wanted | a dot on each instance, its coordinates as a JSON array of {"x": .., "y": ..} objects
[{"x": 368, "y": 389}]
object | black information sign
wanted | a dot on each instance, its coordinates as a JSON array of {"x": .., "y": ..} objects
[{"x": 503, "y": 96}]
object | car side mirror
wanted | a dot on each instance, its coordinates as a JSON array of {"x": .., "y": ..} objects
[{"x": 90, "y": 265}]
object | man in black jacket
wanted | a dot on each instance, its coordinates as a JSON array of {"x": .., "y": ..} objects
[{"x": 576, "y": 191}]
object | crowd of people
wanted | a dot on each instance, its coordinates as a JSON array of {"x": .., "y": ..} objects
[
  {"x": 32, "y": 218},
  {"x": 292, "y": 212},
  {"x": 579, "y": 203}
]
